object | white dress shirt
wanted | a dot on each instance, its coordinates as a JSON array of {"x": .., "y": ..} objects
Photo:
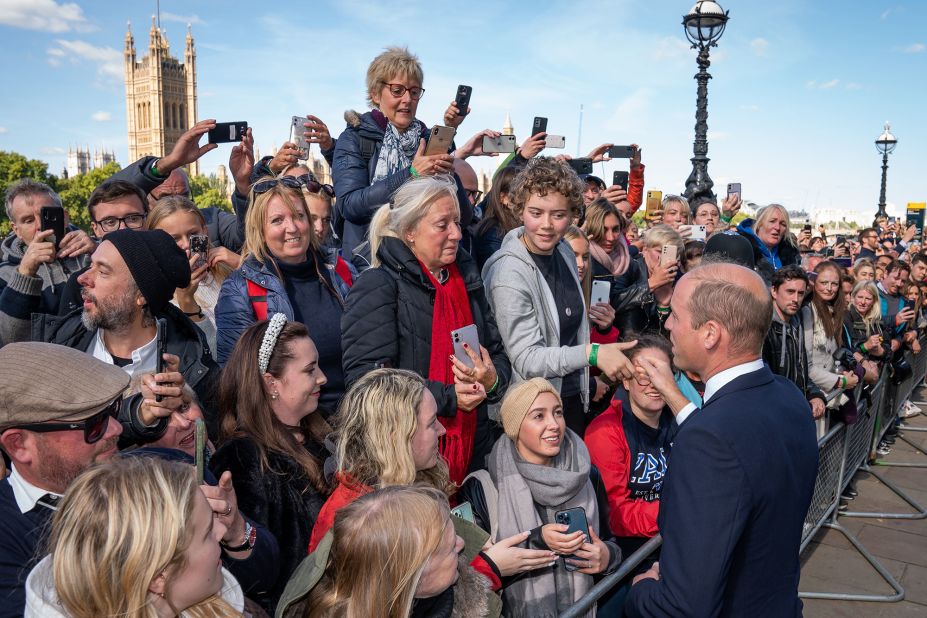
[
  {"x": 717, "y": 382},
  {"x": 25, "y": 493}
]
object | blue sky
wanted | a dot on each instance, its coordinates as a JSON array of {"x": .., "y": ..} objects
[{"x": 800, "y": 89}]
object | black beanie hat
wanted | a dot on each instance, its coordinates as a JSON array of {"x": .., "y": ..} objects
[
  {"x": 731, "y": 247},
  {"x": 157, "y": 264}
]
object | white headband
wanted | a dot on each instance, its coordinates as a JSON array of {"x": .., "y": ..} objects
[{"x": 270, "y": 340}]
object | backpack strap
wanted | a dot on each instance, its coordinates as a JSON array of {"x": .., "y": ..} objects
[
  {"x": 491, "y": 494},
  {"x": 257, "y": 295},
  {"x": 366, "y": 146}
]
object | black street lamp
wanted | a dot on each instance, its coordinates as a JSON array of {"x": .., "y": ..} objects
[
  {"x": 704, "y": 26},
  {"x": 885, "y": 144}
]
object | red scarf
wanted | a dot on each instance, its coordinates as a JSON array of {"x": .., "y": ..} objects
[{"x": 452, "y": 311}]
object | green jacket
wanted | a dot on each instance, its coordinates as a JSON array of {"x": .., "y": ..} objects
[{"x": 310, "y": 571}]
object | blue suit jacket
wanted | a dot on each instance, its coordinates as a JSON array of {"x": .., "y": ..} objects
[{"x": 738, "y": 486}]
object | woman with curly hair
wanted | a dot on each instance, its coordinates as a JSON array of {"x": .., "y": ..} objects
[{"x": 536, "y": 295}]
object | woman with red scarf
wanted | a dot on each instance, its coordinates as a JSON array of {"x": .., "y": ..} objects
[{"x": 401, "y": 313}]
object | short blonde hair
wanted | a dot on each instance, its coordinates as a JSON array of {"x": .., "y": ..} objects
[
  {"x": 662, "y": 234},
  {"x": 376, "y": 421},
  {"x": 684, "y": 208},
  {"x": 763, "y": 215},
  {"x": 393, "y": 62},
  {"x": 119, "y": 526},
  {"x": 409, "y": 205},
  {"x": 255, "y": 245}
]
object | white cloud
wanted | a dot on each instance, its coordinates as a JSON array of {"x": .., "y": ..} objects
[
  {"x": 750, "y": 108},
  {"x": 759, "y": 47},
  {"x": 53, "y": 150},
  {"x": 629, "y": 113},
  {"x": 102, "y": 116},
  {"x": 670, "y": 48},
  {"x": 915, "y": 48},
  {"x": 823, "y": 85},
  {"x": 43, "y": 15},
  {"x": 853, "y": 86},
  {"x": 715, "y": 136},
  {"x": 184, "y": 19},
  {"x": 3, "y": 131},
  {"x": 108, "y": 60}
]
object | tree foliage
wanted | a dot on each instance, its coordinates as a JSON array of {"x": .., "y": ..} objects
[
  {"x": 14, "y": 166},
  {"x": 207, "y": 192}
]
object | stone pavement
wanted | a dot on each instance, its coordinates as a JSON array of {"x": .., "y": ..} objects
[{"x": 831, "y": 564}]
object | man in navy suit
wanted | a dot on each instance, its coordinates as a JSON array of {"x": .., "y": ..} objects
[{"x": 743, "y": 468}]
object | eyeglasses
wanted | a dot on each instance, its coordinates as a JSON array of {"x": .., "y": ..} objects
[
  {"x": 94, "y": 427},
  {"x": 132, "y": 222},
  {"x": 642, "y": 379},
  {"x": 294, "y": 182},
  {"x": 398, "y": 90},
  {"x": 474, "y": 195}
]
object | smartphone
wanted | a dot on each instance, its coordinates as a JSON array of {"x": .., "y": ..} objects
[
  {"x": 621, "y": 152},
  {"x": 539, "y": 126},
  {"x": 843, "y": 262},
  {"x": 199, "y": 243},
  {"x": 732, "y": 188},
  {"x": 297, "y": 129},
  {"x": 581, "y": 166},
  {"x": 555, "y": 141},
  {"x": 463, "y": 99},
  {"x": 601, "y": 291},
  {"x": 841, "y": 240},
  {"x": 621, "y": 179},
  {"x": 200, "y": 428},
  {"x": 575, "y": 519},
  {"x": 440, "y": 139},
  {"x": 807, "y": 228},
  {"x": 654, "y": 202},
  {"x": 503, "y": 143},
  {"x": 470, "y": 336},
  {"x": 892, "y": 220},
  {"x": 52, "y": 218},
  {"x": 669, "y": 255},
  {"x": 464, "y": 510},
  {"x": 161, "y": 347},
  {"x": 699, "y": 232},
  {"x": 227, "y": 132}
]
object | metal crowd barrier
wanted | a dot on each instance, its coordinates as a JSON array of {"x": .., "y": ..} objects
[{"x": 842, "y": 452}]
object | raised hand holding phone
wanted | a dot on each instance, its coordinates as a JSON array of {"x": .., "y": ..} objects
[
  {"x": 429, "y": 165},
  {"x": 166, "y": 384}
]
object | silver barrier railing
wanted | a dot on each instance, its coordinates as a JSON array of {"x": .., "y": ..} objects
[{"x": 842, "y": 452}]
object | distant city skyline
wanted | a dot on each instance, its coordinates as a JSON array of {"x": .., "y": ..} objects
[{"x": 799, "y": 91}]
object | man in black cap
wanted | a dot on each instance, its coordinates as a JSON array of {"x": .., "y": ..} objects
[
  {"x": 732, "y": 248},
  {"x": 56, "y": 419},
  {"x": 129, "y": 285}
]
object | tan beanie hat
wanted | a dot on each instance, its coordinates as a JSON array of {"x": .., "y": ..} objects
[{"x": 518, "y": 402}]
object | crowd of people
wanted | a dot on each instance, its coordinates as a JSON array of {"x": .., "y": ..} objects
[{"x": 399, "y": 397}]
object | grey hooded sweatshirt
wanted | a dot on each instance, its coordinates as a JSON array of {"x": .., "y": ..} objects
[{"x": 526, "y": 314}]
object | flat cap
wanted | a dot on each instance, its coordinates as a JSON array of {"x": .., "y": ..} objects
[{"x": 42, "y": 382}]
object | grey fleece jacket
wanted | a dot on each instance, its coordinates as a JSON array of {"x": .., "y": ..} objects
[
  {"x": 526, "y": 314},
  {"x": 21, "y": 296}
]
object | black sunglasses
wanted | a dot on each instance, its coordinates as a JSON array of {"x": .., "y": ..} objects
[
  {"x": 94, "y": 427},
  {"x": 294, "y": 182}
]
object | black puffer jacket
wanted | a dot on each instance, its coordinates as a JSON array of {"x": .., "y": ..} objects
[
  {"x": 387, "y": 323},
  {"x": 635, "y": 306}
]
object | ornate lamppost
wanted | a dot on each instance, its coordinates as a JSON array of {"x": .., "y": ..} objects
[
  {"x": 885, "y": 144},
  {"x": 704, "y": 26}
]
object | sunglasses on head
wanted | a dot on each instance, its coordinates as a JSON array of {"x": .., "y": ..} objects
[
  {"x": 306, "y": 181},
  {"x": 94, "y": 427}
]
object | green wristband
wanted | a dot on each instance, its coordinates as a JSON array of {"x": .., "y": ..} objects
[
  {"x": 413, "y": 171},
  {"x": 154, "y": 170},
  {"x": 495, "y": 385},
  {"x": 726, "y": 219},
  {"x": 843, "y": 381},
  {"x": 594, "y": 355}
]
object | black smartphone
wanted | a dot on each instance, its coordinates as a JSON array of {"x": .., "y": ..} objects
[
  {"x": 539, "y": 126},
  {"x": 227, "y": 132},
  {"x": 199, "y": 243},
  {"x": 575, "y": 519},
  {"x": 161, "y": 347},
  {"x": 621, "y": 152},
  {"x": 841, "y": 240},
  {"x": 621, "y": 179},
  {"x": 463, "y": 99},
  {"x": 807, "y": 228},
  {"x": 581, "y": 166},
  {"x": 52, "y": 218}
]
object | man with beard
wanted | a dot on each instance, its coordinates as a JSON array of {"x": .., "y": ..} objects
[
  {"x": 784, "y": 348},
  {"x": 129, "y": 285},
  {"x": 56, "y": 419}
]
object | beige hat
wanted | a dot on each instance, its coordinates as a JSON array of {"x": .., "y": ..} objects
[
  {"x": 518, "y": 402},
  {"x": 42, "y": 382}
]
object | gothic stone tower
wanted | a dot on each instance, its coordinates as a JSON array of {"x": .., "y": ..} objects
[{"x": 160, "y": 95}]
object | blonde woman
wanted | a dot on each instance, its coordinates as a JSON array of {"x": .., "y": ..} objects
[
  {"x": 394, "y": 553},
  {"x": 402, "y": 311},
  {"x": 163, "y": 562},
  {"x": 862, "y": 325},
  {"x": 605, "y": 227},
  {"x": 181, "y": 219},
  {"x": 283, "y": 271},
  {"x": 773, "y": 244},
  {"x": 642, "y": 294}
]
